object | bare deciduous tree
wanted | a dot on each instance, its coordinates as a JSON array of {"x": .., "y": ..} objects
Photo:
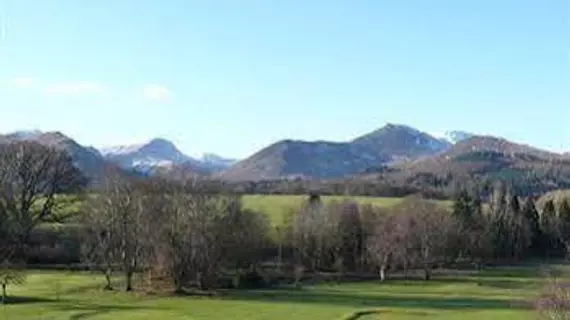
[
  {"x": 414, "y": 234},
  {"x": 554, "y": 301},
  {"x": 432, "y": 231},
  {"x": 10, "y": 275},
  {"x": 383, "y": 243},
  {"x": 245, "y": 235},
  {"x": 31, "y": 175},
  {"x": 198, "y": 234},
  {"x": 308, "y": 234},
  {"x": 114, "y": 221},
  {"x": 98, "y": 245}
]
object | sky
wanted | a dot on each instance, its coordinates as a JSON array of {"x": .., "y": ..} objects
[{"x": 233, "y": 76}]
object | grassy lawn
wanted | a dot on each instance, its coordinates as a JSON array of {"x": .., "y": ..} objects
[{"x": 500, "y": 293}]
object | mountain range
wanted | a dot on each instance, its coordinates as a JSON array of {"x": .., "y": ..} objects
[
  {"x": 323, "y": 159},
  {"x": 393, "y": 152}
]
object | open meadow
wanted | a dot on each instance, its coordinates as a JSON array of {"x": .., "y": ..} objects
[
  {"x": 274, "y": 206},
  {"x": 277, "y": 206},
  {"x": 500, "y": 293}
]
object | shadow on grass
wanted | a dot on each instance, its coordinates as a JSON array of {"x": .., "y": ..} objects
[
  {"x": 78, "y": 310},
  {"x": 86, "y": 311},
  {"x": 25, "y": 300},
  {"x": 521, "y": 272},
  {"x": 358, "y": 315},
  {"x": 479, "y": 281},
  {"x": 372, "y": 300},
  {"x": 505, "y": 277},
  {"x": 84, "y": 289}
]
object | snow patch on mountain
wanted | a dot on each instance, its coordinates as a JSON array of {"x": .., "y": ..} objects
[
  {"x": 26, "y": 134},
  {"x": 161, "y": 153},
  {"x": 215, "y": 161},
  {"x": 453, "y": 136},
  {"x": 117, "y": 150},
  {"x": 155, "y": 153}
]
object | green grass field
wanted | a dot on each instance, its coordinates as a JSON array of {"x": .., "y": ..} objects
[
  {"x": 501, "y": 293},
  {"x": 277, "y": 206}
]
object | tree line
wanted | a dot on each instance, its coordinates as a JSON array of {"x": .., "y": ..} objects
[
  {"x": 185, "y": 238},
  {"x": 157, "y": 233}
]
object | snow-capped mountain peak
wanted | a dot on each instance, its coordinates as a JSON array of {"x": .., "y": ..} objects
[
  {"x": 157, "y": 152},
  {"x": 161, "y": 153}
]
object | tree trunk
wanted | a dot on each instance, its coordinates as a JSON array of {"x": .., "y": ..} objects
[
  {"x": 279, "y": 256},
  {"x": 129, "y": 278},
  {"x": 4, "y": 295},
  {"x": 108, "y": 286},
  {"x": 199, "y": 281},
  {"x": 383, "y": 273},
  {"x": 427, "y": 272},
  {"x": 177, "y": 279}
]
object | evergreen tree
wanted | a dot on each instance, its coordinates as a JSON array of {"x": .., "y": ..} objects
[
  {"x": 513, "y": 204},
  {"x": 462, "y": 208},
  {"x": 531, "y": 215},
  {"x": 564, "y": 224},
  {"x": 549, "y": 227},
  {"x": 508, "y": 227},
  {"x": 520, "y": 233},
  {"x": 470, "y": 240},
  {"x": 498, "y": 222}
]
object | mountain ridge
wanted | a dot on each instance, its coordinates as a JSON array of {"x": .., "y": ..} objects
[
  {"x": 328, "y": 159},
  {"x": 88, "y": 159},
  {"x": 393, "y": 145},
  {"x": 483, "y": 159}
]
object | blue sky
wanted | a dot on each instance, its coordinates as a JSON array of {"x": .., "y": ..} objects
[{"x": 234, "y": 76}]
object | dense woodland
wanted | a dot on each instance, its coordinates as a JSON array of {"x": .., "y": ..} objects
[
  {"x": 160, "y": 234},
  {"x": 534, "y": 180}
]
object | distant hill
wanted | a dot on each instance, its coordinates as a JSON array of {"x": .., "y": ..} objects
[
  {"x": 215, "y": 163},
  {"x": 324, "y": 159},
  {"x": 183, "y": 171},
  {"x": 87, "y": 159},
  {"x": 485, "y": 158},
  {"x": 401, "y": 142},
  {"x": 303, "y": 159}
]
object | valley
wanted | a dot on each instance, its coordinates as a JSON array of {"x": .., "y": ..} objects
[{"x": 282, "y": 160}]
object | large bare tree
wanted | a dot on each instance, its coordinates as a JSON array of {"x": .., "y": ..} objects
[
  {"x": 423, "y": 231},
  {"x": 31, "y": 177},
  {"x": 197, "y": 234},
  {"x": 309, "y": 233},
  {"x": 382, "y": 245},
  {"x": 432, "y": 232},
  {"x": 115, "y": 227}
]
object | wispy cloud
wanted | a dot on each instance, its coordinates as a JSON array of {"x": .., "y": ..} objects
[
  {"x": 155, "y": 92},
  {"x": 148, "y": 92},
  {"x": 22, "y": 81},
  {"x": 81, "y": 87}
]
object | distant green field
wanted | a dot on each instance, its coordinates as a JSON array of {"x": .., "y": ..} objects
[
  {"x": 276, "y": 206},
  {"x": 501, "y": 293}
]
